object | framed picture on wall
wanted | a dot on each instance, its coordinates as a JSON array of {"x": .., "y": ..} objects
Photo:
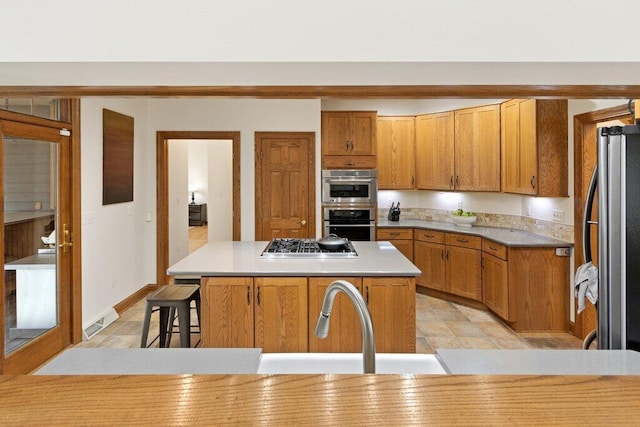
[{"x": 117, "y": 157}]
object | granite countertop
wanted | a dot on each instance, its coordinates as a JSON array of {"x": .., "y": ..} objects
[
  {"x": 505, "y": 236},
  {"x": 243, "y": 259}
]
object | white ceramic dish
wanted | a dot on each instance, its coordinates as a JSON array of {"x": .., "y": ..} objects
[{"x": 464, "y": 221}]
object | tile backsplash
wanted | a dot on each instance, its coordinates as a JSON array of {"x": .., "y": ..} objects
[{"x": 532, "y": 225}]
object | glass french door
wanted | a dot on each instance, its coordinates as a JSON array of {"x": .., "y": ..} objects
[{"x": 35, "y": 191}]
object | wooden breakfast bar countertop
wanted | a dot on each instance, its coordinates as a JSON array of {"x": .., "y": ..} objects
[{"x": 319, "y": 400}]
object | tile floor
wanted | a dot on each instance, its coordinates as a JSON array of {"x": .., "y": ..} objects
[{"x": 439, "y": 324}]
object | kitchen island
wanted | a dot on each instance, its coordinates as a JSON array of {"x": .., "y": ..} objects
[{"x": 273, "y": 303}]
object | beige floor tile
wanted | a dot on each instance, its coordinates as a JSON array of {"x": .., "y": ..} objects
[
  {"x": 479, "y": 343},
  {"x": 511, "y": 343},
  {"x": 436, "y": 329},
  {"x": 444, "y": 342},
  {"x": 465, "y": 329},
  {"x": 422, "y": 346},
  {"x": 451, "y": 315},
  {"x": 496, "y": 329}
]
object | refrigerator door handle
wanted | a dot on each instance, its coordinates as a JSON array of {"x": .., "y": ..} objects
[{"x": 586, "y": 221}]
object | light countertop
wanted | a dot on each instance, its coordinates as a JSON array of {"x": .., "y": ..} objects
[
  {"x": 243, "y": 259},
  {"x": 505, "y": 236},
  {"x": 33, "y": 262}
]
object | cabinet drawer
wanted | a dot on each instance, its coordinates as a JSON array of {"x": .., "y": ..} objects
[
  {"x": 464, "y": 241},
  {"x": 495, "y": 249},
  {"x": 394, "y": 233},
  {"x": 349, "y": 162},
  {"x": 429, "y": 236}
]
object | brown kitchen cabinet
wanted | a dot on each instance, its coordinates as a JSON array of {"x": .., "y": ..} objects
[
  {"x": 463, "y": 266},
  {"x": 429, "y": 255},
  {"x": 435, "y": 162},
  {"x": 391, "y": 302},
  {"x": 396, "y": 148},
  {"x": 495, "y": 279},
  {"x": 265, "y": 312},
  {"x": 477, "y": 148},
  {"x": 349, "y": 139},
  {"x": 401, "y": 238},
  {"x": 345, "y": 330},
  {"x": 534, "y": 147}
]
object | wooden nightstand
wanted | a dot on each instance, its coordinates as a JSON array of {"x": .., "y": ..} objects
[{"x": 197, "y": 214}]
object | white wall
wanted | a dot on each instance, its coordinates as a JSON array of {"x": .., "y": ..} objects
[
  {"x": 220, "y": 184},
  {"x": 118, "y": 243},
  {"x": 178, "y": 200},
  {"x": 247, "y": 116},
  {"x": 198, "y": 169}
]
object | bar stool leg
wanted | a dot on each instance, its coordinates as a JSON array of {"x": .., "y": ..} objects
[
  {"x": 172, "y": 316},
  {"x": 184, "y": 323},
  {"x": 164, "y": 321},
  {"x": 145, "y": 325}
]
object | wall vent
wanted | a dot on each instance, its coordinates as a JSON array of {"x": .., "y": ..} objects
[{"x": 102, "y": 322}]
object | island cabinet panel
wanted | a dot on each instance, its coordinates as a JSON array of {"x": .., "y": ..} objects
[
  {"x": 227, "y": 312},
  {"x": 345, "y": 331},
  {"x": 391, "y": 302},
  {"x": 281, "y": 314}
]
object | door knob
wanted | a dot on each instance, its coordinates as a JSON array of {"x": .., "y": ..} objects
[
  {"x": 66, "y": 239},
  {"x": 303, "y": 222}
]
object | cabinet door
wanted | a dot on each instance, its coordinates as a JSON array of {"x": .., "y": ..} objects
[
  {"x": 391, "y": 302},
  {"x": 227, "y": 312},
  {"x": 495, "y": 285},
  {"x": 510, "y": 141},
  {"x": 345, "y": 331},
  {"x": 435, "y": 151},
  {"x": 396, "y": 162},
  {"x": 528, "y": 162},
  {"x": 429, "y": 258},
  {"x": 463, "y": 272},
  {"x": 336, "y": 133},
  {"x": 363, "y": 133},
  {"x": 281, "y": 314},
  {"x": 465, "y": 162}
]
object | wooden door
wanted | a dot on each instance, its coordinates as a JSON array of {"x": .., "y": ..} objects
[
  {"x": 363, "y": 133},
  {"x": 429, "y": 258},
  {"x": 435, "y": 151},
  {"x": 345, "y": 331},
  {"x": 487, "y": 148},
  {"x": 396, "y": 162},
  {"x": 391, "y": 302},
  {"x": 35, "y": 185},
  {"x": 528, "y": 162},
  {"x": 227, "y": 312},
  {"x": 285, "y": 185},
  {"x": 495, "y": 285},
  {"x": 336, "y": 133},
  {"x": 510, "y": 141},
  {"x": 281, "y": 316},
  {"x": 464, "y": 276}
]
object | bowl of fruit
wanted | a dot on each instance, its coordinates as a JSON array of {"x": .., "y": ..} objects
[{"x": 463, "y": 218}]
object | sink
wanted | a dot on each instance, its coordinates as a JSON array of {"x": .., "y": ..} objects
[{"x": 347, "y": 363}]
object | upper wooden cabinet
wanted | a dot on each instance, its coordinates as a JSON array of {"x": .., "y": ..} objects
[
  {"x": 349, "y": 139},
  {"x": 534, "y": 147},
  {"x": 477, "y": 148},
  {"x": 396, "y": 144},
  {"x": 435, "y": 151}
]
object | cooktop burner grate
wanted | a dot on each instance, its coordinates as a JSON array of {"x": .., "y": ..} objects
[{"x": 309, "y": 248}]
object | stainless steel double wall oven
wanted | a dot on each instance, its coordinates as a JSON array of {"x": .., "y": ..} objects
[{"x": 349, "y": 203}]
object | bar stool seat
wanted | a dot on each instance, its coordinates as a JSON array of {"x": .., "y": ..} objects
[{"x": 165, "y": 300}]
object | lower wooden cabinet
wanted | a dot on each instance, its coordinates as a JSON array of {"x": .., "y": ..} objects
[
  {"x": 401, "y": 238},
  {"x": 279, "y": 314},
  {"x": 495, "y": 285},
  {"x": 429, "y": 258},
  {"x": 269, "y": 312},
  {"x": 392, "y": 304},
  {"x": 345, "y": 331}
]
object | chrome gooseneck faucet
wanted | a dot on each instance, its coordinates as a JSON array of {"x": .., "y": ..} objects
[{"x": 368, "y": 341}]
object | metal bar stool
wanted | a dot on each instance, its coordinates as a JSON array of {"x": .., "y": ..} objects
[{"x": 167, "y": 299}]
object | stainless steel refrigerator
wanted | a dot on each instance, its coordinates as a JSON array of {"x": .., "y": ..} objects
[{"x": 617, "y": 178}]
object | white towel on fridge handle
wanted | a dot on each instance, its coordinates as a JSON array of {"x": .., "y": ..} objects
[{"x": 586, "y": 284}]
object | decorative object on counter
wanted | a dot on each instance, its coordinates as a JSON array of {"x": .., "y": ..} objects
[
  {"x": 463, "y": 218},
  {"x": 332, "y": 242},
  {"x": 394, "y": 212}
]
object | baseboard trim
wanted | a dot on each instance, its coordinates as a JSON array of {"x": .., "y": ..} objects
[{"x": 134, "y": 298}]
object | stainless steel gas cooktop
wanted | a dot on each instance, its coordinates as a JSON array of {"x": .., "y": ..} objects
[{"x": 305, "y": 248}]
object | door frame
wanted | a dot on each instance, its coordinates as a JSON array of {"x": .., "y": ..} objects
[
  {"x": 162, "y": 190},
  {"x": 585, "y": 132},
  {"x": 311, "y": 202},
  {"x": 70, "y": 120}
]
